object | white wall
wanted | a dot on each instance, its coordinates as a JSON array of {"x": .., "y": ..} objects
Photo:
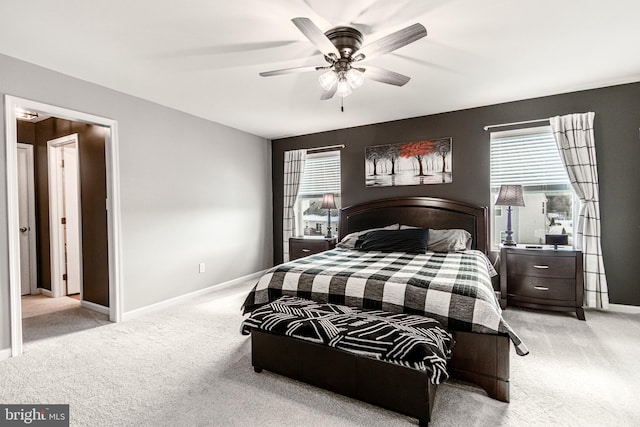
[{"x": 191, "y": 190}]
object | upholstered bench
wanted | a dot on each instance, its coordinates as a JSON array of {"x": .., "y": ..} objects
[{"x": 324, "y": 359}]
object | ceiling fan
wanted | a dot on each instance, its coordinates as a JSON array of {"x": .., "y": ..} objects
[{"x": 344, "y": 52}]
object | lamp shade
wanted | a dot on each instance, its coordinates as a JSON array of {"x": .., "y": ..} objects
[
  {"x": 344, "y": 88},
  {"x": 510, "y": 195},
  {"x": 328, "y": 201},
  {"x": 328, "y": 80},
  {"x": 355, "y": 78}
]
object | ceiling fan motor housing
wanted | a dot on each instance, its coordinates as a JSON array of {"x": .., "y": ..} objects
[{"x": 347, "y": 40}]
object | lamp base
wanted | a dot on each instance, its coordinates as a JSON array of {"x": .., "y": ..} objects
[
  {"x": 508, "y": 241},
  {"x": 328, "y": 236}
]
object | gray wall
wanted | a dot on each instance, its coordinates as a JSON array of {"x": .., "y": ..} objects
[
  {"x": 191, "y": 190},
  {"x": 617, "y": 125}
]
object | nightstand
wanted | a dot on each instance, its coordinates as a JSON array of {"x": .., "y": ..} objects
[
  {"x": 542, "y": 278},
  {"x": 304, "y": 246}
]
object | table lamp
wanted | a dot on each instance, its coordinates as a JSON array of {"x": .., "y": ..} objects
[
  {"x": 328, "y": 202},
  {"x": 510, "y": 195}
]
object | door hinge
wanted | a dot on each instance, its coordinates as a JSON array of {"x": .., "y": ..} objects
[
  {"x": 64, "y": 276},
  {"x": 63, "y": 220},
  {"x": 61, "y": 163}
]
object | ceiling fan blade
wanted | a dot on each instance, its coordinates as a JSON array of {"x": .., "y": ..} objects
[
  {"x": 386, "y": 13},
  {"x": 316, "y": 36},
  {"x": 393, "y": 41},
  {"x": 328, "y": 94},
  {"x": 291, "y": 70},
  {"x": 385, "y": 76}
]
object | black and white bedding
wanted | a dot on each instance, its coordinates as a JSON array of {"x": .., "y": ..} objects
[
  {"x": 416, "y": 342},
  {"x": 454, "y": 288}
]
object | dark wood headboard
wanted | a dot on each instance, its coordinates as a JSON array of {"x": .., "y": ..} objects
[{"x": 424, "y": 212}]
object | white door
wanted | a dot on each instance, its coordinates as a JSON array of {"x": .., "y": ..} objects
[
  {"x": 26, "y": 212},
  {"x": 64, "y": 216},
  {"x": 71, "y": 210}
]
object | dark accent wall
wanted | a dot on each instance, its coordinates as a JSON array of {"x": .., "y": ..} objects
[
  {"x": 617, "y": 129},
  {"x": 26, "y": 132},
  {"x": 93, "y": 194}
]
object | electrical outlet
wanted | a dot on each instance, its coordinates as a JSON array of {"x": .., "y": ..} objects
[{"x": 201, "y": 267}]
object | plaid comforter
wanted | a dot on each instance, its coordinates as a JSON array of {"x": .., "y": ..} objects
[
  {"x": 417, "y": 342},
  {"x": 454, "y": 288}
]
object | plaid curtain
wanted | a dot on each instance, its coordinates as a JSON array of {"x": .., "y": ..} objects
[
  {"x": 574, "y": 136},
  {"x": 293, "y": 170}
]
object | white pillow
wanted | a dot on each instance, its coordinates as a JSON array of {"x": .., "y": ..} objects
[{"x": 349, "y": 241}]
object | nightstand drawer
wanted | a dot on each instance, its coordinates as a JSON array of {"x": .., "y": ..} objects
[
  {"x": 542, "y": 266},
  {"x": 548, "y": 289},
  {"x": 301, "y": 247}
]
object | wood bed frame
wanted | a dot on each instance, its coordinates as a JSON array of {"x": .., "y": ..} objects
[{"x": 481, "y": 359}]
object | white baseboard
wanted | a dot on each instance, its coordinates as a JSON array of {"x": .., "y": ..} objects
[
  {"x": 46, "y": 292},
  {"x": 182, "y": 298},
  {"x": 95, "y": 307},
  {"x": 622, "y": 308},
  {"x": 5, "y": 353}
]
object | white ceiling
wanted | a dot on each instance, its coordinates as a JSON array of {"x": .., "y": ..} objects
[{"x": 203, "y": 56}]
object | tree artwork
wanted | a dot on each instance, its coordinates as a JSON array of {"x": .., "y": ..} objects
[
  {"x": 425, "y": 161},
  {"x": 374, "y": 155},
  {"x": 417, "y": 150},
  {"x": 392, "y": 154},
  {"x": 443, "y": 147}
]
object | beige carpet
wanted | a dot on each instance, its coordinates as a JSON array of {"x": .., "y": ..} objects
[{"x": 189, "y": 366}]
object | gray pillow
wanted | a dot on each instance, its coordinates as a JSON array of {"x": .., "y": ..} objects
[
  {"x": 447, "y": 240},
  {"x": 349, "y": 241}
]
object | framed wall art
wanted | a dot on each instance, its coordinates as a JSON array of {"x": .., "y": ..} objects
[{"x": 427, "y": 161}]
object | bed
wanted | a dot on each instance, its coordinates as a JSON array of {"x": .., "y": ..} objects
[{"x": 482, "y": 338}]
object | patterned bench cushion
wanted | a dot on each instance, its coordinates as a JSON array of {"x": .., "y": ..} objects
[{"x": 413, "y": 341}]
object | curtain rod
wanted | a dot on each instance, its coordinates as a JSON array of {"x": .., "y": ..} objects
[
  {"x": 328, "y": 147},
  {"x": 515, "y": 123}
]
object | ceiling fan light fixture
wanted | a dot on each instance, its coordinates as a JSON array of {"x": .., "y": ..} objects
[
  {"x": 355, "y": 78},
  {"x": 344, "y": 88},
  {"x": 342, "y": 48},
  {"x": 328, "y": 80}
]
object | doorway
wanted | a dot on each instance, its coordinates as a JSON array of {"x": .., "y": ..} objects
[
  {"x": 113, "y": 250},
  {"x": 65, "y": 216}
]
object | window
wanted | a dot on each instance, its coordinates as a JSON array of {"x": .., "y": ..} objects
[
  {"x": 530, "y": 157},
  {"x": 321, "y": 175}
]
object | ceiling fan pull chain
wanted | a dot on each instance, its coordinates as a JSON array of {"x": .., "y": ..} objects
[{"x": 342, "y": 104}]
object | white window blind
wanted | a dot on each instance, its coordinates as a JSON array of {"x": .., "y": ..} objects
[
  {"x": 321, "y": 174},
  {"x": 528, "y": 157}
]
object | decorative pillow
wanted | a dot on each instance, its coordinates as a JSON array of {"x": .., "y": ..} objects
[
  {"x": 411, "y": 241},
  {"x": 349, "y": 241},
  {"x": 447, "y": 240}
]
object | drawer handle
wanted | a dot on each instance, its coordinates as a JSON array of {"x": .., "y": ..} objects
[
  {"x": 306, "y": 250},
  {"x": 541, "y": 288},
  {"x": 541, "y": 267}
]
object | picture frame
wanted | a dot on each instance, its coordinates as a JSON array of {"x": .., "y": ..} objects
[{"x": 427, "y": 161}]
